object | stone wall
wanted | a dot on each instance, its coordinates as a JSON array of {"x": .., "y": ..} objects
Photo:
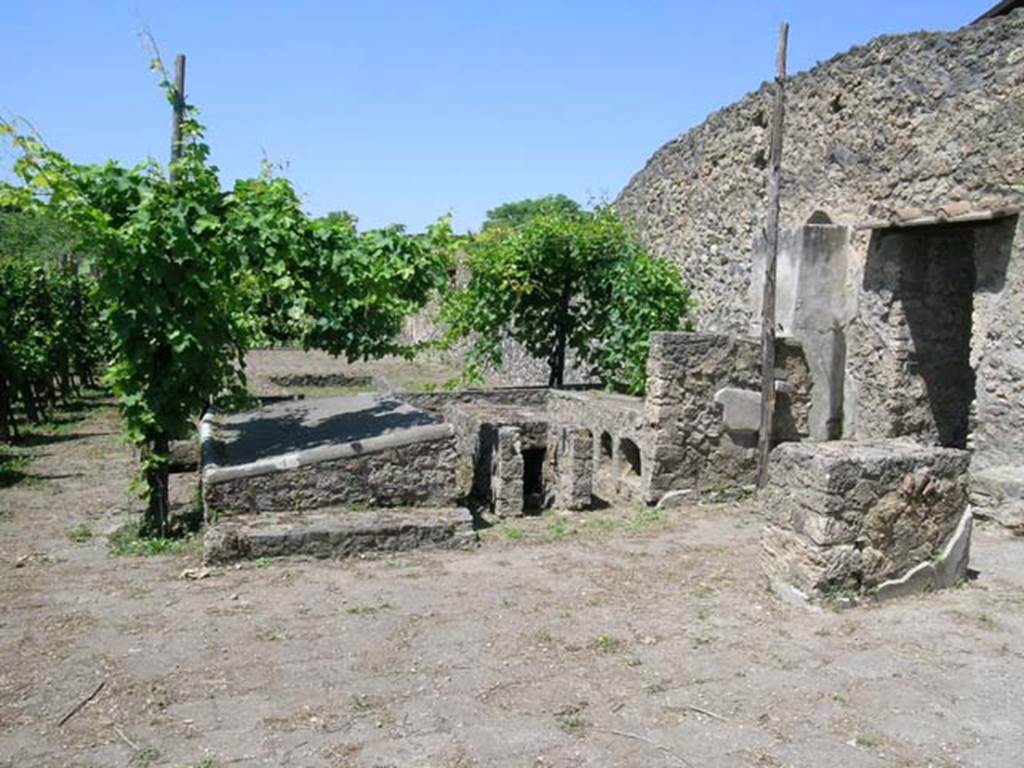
[
  {"x": 703, "y": 407},
  {"x": 853, "y": 515},
  {"x": 616, "y": 422},
  {"x": 416, "y": 474},
  {"x": 927, "y": 123},
  {"x": 436, "y": 402}
]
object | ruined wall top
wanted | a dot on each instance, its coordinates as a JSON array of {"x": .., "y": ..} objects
[{"x": 920, "y": 120}]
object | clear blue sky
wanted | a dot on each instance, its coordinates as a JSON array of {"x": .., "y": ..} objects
[{"x": 400, "y": 111}]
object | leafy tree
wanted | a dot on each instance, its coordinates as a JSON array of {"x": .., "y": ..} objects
[
  {"x": 566, "y": 280},
  {"x": 360, "y": 286},
  {"x": 519, "y": 212},
  {"x": 190, "y": 276}
]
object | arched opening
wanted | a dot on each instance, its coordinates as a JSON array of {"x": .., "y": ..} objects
[
  {"x": 606, "y": 446},
  {"x": 630, "y": 454},
  {"x": 819, "y": 217},
  {"x": 533, "y": 479}
]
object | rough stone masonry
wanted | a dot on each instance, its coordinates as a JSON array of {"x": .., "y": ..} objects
[
  {"x": 848, "y": 516},
  {"x": 912, "y": 129}
]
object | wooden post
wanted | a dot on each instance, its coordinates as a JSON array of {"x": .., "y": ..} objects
[
  {"x": 771, "y": 234},
  {"x": 179, "y": 106}
]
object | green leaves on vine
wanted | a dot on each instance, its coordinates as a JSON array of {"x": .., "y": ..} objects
[{"x": 190, "y": 276}]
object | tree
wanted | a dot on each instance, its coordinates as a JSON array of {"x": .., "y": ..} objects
[
  {"x": 566, "y": 280},
  {"x": 189, "y": 277},
  {"x": 519, "y": 212}
]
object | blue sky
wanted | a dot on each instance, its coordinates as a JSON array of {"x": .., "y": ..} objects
[{"x": 401, "y": 111}]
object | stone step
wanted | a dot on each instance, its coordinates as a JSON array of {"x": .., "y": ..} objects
[{"x": 338, "y": 533}]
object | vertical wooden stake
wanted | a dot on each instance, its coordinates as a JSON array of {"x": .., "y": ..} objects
[
  {"x": 179, "y": 106},
  {"x": 764, "y": 439}
]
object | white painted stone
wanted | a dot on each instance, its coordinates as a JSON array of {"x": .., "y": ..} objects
[
  {"x": 945, "y": 571},
  {"x": 741, "y": 409},
  {"x": 674, "y": 499}
]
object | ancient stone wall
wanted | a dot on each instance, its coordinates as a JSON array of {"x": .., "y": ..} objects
[
  {"x": 617, "y": 425},
  {"x": 419, "y": 473},
  {"x": 927, "y": 122},
  {"x": 851, "y": 515},
  {"x": 702, "y": 409},
  {"x": 436, "y": 402}
]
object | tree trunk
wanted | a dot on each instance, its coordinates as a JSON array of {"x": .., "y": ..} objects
[
  {"x": 5, "y": 412},
  {"x": 557, "y": 360},
  {"x": 29, "y": 401},
  {"x": 158, "y": 513}
]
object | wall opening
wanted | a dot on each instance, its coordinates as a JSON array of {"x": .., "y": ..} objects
[
  {"x": 606, "y": 446},
  {"x": 630, "y": 454},
  {"x": 533, "y": 479},
  {"x": 927, "y": 277}
]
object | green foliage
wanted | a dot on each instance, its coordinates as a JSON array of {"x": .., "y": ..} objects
[
  {"x": 360, "y": 287},
  {"x": 80, "y": 534},
  {"x": 560, "y": 281},
  {"x": 50, "y": 340},
  {"x": 189, "y": 277},
  {"x": 133, "y": 540},
  {"x": 321, "y": 282},
  {"x": 518, "y": 213}
]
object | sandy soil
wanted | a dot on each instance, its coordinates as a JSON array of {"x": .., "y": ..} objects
[{"x": 630, "y": 641}]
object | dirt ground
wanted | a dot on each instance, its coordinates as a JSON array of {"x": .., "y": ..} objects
[{"x": 621, "y": 639}]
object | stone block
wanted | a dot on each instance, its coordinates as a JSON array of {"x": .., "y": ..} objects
[
  {"x": 850, "y": 516},
  {"x": 508, "y": 472},
  {"x": 702, "y": 410},
  {"x": 574, "y": 467},
  {"x": 998, "y": 493},
  {"x": 338, "y": 533},
  {"x": 741, "y": 409}
]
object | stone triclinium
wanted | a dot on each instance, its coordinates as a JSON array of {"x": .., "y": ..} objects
[{"x": 855, "y": 517}]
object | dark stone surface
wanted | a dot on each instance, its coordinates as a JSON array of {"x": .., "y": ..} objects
[
  {"x": 338, "y": 533},
  {"x": 849, "y": 515}
]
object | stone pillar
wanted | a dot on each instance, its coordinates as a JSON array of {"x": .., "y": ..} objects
[
  {"x": 507, "y": 473},
  {"x": 575, "y": 468},
  {"x": 870, "y": 517},
  {"x": 811, "y": 308}
]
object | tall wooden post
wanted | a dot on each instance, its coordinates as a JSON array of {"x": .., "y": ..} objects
[
  {"x": 772, "y": 243},
  {"x": 179, "y": 106}
]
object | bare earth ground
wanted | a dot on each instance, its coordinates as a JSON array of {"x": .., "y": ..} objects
[{"x": 630, "y": 641}]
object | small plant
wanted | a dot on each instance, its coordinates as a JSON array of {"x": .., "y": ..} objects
[
  {"x": 360, "y": 705},
  {"x": 271, "y": 634},
  {"x": 515, "y": 534},
  {"x": 128, "y": 540},
  {"x": 368, "y": 610},
  {"x": 648, "y": 517},
  {"x": 543, "y": 637},
  {"x": 570, "y": 719},
  {"x": 80, "y": 534},
  {"x": 606, "y": 644},
  {"x": 573, "y": 725},
  {"x": 261, "y": 562},
  {"x": 558, "y": 529},
  {"x": 867, "y": 741},
  {"x": 145, "y": 757}
]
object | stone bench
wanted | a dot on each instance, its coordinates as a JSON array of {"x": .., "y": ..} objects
[{"x": 865, "y": 517}]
